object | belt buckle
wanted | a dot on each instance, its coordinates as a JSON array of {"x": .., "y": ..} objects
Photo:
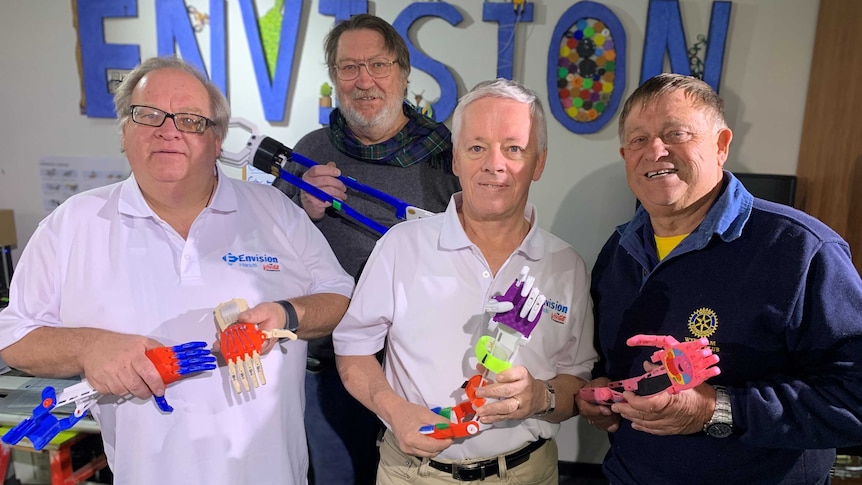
[{"x": 472, "y": 467}]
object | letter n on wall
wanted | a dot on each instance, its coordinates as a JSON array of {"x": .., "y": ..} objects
[
  {"x": 665, "y": 33},
  {"x": 173, "y": 26}
]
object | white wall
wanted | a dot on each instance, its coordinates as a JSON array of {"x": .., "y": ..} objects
[{"x": 582, "y": 195}]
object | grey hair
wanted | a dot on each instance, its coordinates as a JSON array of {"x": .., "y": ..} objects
[
  {"x": 504, "y": 89},
  {"x": 219, "y": 106},
  {"x": 699, "y": 92},
  {"x": 392, "y": 41}
]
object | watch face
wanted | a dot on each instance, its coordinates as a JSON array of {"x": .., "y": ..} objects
[{"x": 719, "y": 430}]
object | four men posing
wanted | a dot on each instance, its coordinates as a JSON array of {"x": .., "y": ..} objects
[{"x": 119, "y": 270}]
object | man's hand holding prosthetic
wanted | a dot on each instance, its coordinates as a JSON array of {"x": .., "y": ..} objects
[
  {"x": 681, "y": 366},
  {"x": 172, "y": 363},
  {"x": 242, "y": 343},
  {"x": 516, "y": 313}
]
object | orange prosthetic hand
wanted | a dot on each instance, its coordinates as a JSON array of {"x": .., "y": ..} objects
[
  {"x": 174, "y": 363},
  {"x": 462, "y": 417},
  {"x": 241, "y": 344}
]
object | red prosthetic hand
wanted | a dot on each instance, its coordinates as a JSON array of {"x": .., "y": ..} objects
[
  {"x": 462, "y": 417},
  {"x": 241, "y": 345}
]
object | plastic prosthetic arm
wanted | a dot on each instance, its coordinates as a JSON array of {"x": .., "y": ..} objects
[
  {"x": 516, "y": 314},
  {"x": 241, "y": 344},
  {"x": 271, "y": 156},
  {"x": 462, "y": 416},
  {"x": 681, "y": 366},
  {"x": 173, "y": 363}
]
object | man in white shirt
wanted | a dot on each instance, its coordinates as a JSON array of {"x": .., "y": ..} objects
[
  {"x": 121, "y": 269},
  {"x": 423, "y": 294}
]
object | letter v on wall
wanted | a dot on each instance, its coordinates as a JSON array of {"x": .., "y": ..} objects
[{"x": 273, "y": 90}]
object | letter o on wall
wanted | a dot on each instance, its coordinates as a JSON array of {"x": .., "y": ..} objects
[{"x": 586, "y": 67}]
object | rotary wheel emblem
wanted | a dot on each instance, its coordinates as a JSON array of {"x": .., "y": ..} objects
[{"x": 703, "y": 322}]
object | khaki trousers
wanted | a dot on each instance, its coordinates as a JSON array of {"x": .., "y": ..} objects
[{"x": 397, "y": 468}]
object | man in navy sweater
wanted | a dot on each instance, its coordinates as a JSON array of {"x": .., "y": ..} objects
[{"x": 772, "y": 289}]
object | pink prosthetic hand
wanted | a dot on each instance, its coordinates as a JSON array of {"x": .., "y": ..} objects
[{"x": 681, "y": 366}]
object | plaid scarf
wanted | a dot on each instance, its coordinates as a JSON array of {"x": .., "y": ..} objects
[{"x": 421, "y": 138}]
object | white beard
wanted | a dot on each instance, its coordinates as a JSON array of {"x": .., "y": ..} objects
[{"x": 382, "y": 121}]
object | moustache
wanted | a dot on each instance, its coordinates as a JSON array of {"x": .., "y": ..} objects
[{"x": 368, "y": 93}]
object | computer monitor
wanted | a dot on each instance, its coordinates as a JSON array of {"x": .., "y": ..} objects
[{"x": 776, "y": 188}]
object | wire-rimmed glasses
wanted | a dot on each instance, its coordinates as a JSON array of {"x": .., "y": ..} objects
[{"x": 377, "y": 68}]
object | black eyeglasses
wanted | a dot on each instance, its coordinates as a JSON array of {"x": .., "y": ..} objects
[
  {"x": 377, "y": 68},
  {"x": 186, "y": 122}
]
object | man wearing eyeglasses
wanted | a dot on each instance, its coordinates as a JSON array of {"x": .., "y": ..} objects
[
  {"x": 381, "y": 141},
  {"x": 125, "y": 268}
]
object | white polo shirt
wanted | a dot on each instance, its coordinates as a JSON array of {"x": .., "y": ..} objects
[
  {"x": 103, "y": 259},
  {"x": 425, "y": 287}
]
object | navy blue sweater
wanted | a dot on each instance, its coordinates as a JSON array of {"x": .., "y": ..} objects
[{"x": 776, "y": 293}]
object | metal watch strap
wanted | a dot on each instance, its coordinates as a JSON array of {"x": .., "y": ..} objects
[
  {"x": 552, "y": 400},
  {"x": 291, "y": 322},
  {"x": 720, "y": 425}
]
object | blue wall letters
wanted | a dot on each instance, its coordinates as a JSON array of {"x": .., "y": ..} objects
[{"x": 583, "y": 100}]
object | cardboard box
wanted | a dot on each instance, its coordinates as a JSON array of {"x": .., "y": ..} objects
[{"x": 7, "y": 228}]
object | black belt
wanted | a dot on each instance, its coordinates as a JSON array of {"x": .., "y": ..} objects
[{"x": 487, "y": 468}]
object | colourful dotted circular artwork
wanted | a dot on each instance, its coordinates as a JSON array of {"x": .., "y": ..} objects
[{"x": 586, "y": 69}]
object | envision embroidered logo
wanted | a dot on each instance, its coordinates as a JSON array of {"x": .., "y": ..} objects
[
  {"x": 558, "y": 311},
  {"x": 265, "y": 261}
]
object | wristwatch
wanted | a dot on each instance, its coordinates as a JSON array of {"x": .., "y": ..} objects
[
  {"x": 291, "y": 322},
  {"x": 552, "y": 400},
  {"x": 720, "y": 425}
]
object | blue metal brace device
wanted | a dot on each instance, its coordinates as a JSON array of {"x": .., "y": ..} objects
[
  {"x": 43, "y": 426},
  {"x": 271, "y": 156}
]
